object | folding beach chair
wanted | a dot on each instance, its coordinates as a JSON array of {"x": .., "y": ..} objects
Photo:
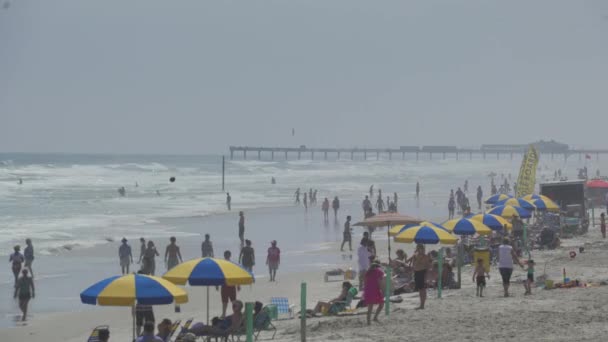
[
  {"x": 184, "y": 330},
  {"x": 283, "y": 306},
  {"x": 94, "y": 337},
  {"x": 174, "y": 328}
]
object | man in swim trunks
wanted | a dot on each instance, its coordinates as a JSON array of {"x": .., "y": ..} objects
[
  {"x": 506, "y": 258},
  {"x": 172, "y": 255},
  {"x": 421, "y": 263},
  {"x": 28, "y": 253},
  {"x": 125, "y": 256},
  {"x": 228, "y": 293}
]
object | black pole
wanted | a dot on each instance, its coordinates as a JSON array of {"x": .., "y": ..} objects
[{"x": 223, "y": 171}]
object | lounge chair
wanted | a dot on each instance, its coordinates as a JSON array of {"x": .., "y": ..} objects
[
  {"x": 261, "y": 322},
  {"x": 345, "y": 305},
  {"x": 174, "y": 328},
  {"x": 94, "y": 337},
  {"x": 283, "y": 306},
  {"x": 183, "y": 331}
]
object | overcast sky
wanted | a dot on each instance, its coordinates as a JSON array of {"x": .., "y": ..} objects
[{"x": 178, "y": 76}]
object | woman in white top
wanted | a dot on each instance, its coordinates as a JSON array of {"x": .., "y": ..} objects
[{"x": 506, "y": 258}]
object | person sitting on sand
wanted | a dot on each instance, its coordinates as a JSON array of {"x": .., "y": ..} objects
[
  {"x": 148, "y": 335},
  {"x": 323, "y": 307},
  {"x": 221, "y": 327},
  {"x": 164, "y": 329}
]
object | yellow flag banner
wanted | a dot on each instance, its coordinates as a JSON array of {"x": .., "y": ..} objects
[{"x": 527, "y": 173}]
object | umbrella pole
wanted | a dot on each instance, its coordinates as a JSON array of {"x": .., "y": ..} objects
[
  {"x": 207, "y": 305},
  {"x": 133, "y": 316}
]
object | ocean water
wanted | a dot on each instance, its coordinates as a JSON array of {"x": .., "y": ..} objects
[{"x": 71, "y": 201}]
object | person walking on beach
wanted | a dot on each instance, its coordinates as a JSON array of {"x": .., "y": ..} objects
[
  {"x": 363, "y": 259},
  {"x": 247, "y": 256},
  {"x": 273, "y": 259},
  {"x": 366, "y": 205},
  {"x": 373, "y": 293},
  {"x": 16, "y": 259},
  {"x": 314, "y": 197},
  {"x": 421, "y": 263},
  {"x": 297, "y": 194},
  {"x": 479, "y": 276},
  {"x": 371, "y": 191},
  {"x": 325, "y": 208},
  {"x": 380, "y": 204},
  {"x": 417, "y": 190},
  {"x": 506, "y": 258},
  {"x": 125, "y": 256},
  {"x": 242, "y": 227},
  {"x": 28, "y": 254},
  {"x": 172, "y": 254},
  {"x": 142, "y": 250},
  {"x": 466, "y": 185},
  {"x": 347, "y": 235},
  {"x": 530, "y": 278},
  {"x": 149, "y": 262},
  {"x": 336, "y": 206},
  {"x": 479, "y": 197},
  {"x": 207, "y": 247},
  {"x": 228, "y": 293},
  {"x": 396, "y": 201},
  {"x": 24, "y": 290},
  {"x": 305, "y": 202},
  {"x": 603, "y": 225},
  {"x": 228, "y": 201},
  {"x": 451, "y": 206}
]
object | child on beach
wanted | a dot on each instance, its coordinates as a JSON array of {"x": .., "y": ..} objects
[
  {"x": 480, "y": 277},
  {"x": 530, "y": 280}
]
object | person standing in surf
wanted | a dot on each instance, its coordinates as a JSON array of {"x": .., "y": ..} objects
[
  {"x": 242, "y": 227},
  {"x": 16, "y": 259},
  {"x": 207, "y": 247},
  {"x": 297, "y": 194},
  {"x": 125, "y": 256},
  {"x": 273, "y": 260},
  {"x": 325, "y": 208},
  {"x": 228, "y": 201},
  {"x": 479, "y": 197},
  {"x": 347, "y": 235},
  {"x": 28, "y": 254},
  {"x": 336, "y": 206},
  {"x": 172, "y": 254}
]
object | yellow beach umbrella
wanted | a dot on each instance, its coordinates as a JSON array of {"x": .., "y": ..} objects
[
  {"x": 465, "y": 226},
  {"x": 426, "y": 234}
]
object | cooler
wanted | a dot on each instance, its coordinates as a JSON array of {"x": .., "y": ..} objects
[{"x": 483, "y": 254}]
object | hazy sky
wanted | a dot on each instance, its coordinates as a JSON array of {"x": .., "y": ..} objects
[{"x": 196, "y": 76}]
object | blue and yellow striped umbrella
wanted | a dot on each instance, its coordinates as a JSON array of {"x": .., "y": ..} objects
[
  {"x": 534, "y": 197},
  {"x": 508, "y": 211},
  {"x": 494, "y": 222},
  {"x": 395, "y": 230},
  {"x": 497, "y": 198},
  {"x": 545, "y": 205},
  {"x": 517, "y": 202},
  {"x": 209, "y": 272},
  {"x": 466, "y": 226},
  {"x": 127, "y": 290},
  {"x": 426, "y": 233}
]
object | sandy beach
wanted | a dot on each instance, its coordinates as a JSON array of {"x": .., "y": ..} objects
[{"x": 558, "y": 315}]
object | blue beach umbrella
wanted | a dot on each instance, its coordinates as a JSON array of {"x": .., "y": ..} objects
[
  {"x": 517, "y": 202},
  {"x": 494, "y": 222},
  {"x": 426, "y": 233},
  {"x": 467, "y": 226},
  {"x": 131, "y": 289},
  {"x": 497, "y": 198},
  {"x": 508, "y": 211}
]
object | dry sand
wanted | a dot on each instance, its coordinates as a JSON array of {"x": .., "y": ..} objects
[{"x": 578, "y": 314}]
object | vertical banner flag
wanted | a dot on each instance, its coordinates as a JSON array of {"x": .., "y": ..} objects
[{"x": 527, "y": 173}]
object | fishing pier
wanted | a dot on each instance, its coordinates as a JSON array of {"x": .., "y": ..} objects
[{"x": 356, "y": 153}]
